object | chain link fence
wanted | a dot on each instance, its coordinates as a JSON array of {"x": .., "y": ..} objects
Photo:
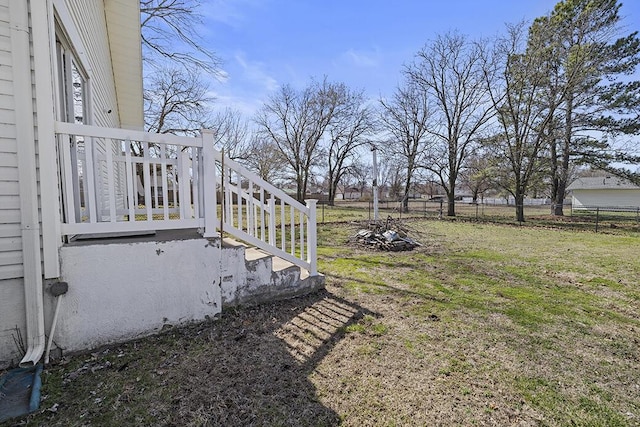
[{"x": 595, "y": 218}]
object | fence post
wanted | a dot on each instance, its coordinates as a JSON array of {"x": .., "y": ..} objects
[
  {"x": 208, "y": 183},
  {"x": 597, "y": 218},
  {"x": 312, "y": 238}
]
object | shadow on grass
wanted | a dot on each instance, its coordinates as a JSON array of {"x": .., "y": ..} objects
[
  {"x": 259, "y": 373},
  {"x": 251, "y": 367}
]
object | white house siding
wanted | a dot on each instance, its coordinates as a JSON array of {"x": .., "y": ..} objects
[
  {"x": 11, "y": 270},
  {"x": 89, "y": 19},
  {"x": 10, "y": 246},
  {"x": 606, "y": 197}
]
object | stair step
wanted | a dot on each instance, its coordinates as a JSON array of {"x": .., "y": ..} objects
[
  {"x": 252, "y": 254},
  {"x": 281, "y": 264},
  {"x": 228, "y": 242}
]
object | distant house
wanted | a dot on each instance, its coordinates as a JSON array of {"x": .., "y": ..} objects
[
  {"x": 349, "y": 193},
  {"x": 604, "y": 191}
]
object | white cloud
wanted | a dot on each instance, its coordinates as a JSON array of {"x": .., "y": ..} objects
[
  {"x": 253, "y": 73},
  {"x": 248, "y": 106},
  {"x": 244, "y": 86},
  {"x": 222, "y": 75},
  {"x": 362, "y": 58}
]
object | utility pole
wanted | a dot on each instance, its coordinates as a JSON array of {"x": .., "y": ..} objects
[{"x": 375, "y": 183}]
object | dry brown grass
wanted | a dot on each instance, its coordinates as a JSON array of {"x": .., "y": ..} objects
[{"x": 483, "y": 325}]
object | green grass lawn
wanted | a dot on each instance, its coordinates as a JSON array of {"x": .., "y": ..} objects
[
  {"x": 485, "y": 324},
  {"x": 531, "y": 321}
]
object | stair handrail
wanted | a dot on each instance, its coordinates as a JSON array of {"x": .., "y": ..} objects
[{"x": 307, "y": 255}]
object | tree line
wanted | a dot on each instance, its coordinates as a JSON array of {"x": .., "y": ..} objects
[{"x": 520, "y": 112}]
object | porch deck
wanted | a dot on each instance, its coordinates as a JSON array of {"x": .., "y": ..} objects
[{"x": 135, "y": 237}]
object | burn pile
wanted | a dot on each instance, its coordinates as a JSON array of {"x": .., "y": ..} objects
[{"x": 387, "y": 236}]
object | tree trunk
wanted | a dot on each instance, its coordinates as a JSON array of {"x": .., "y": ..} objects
[
  {"x": 451, "y": 196},
  {"x": 405, "y": 202},
  {"x": 519, "y": 199},
  {"x": 563, "y": 170},
  {"x": 333, "y": 190},
  {"x": 554, "y": 173},
  {"x": 300, "y": 189},
  {"x": 405, "y": 197},
  {"x": 558, "y": 203}
]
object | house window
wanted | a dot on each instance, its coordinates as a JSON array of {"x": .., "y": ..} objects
[
  {"x": 73, "y": 106},
  {"x": 72, "y": 85}
]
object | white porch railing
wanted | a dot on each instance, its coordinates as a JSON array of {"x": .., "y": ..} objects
[
  {"x": 259, "y": 213},
  {"x": 117, "y": 180}
]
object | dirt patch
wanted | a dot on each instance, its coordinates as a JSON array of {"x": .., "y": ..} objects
[{"x": 250, "y": 367}]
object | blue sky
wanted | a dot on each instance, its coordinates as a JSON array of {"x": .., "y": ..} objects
[{"x": 267, "y": 43}]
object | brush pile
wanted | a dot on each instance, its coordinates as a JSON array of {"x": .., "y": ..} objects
[{"x": 387, "y": 236}]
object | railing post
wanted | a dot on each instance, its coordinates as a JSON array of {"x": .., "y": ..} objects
[
  {"x": 271, "y": 206},
  {"x": 184, "y": 182},
  {"x": 91, "y": 196},
  {"x": 65, "y": 147},
  {"x": 208, "y": 183},
  {"x": 312, "y": 238},
  {"x": 146, "y": 176}
]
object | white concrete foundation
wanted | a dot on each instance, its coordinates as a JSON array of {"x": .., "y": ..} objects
[{"x": 122, "y": 291}]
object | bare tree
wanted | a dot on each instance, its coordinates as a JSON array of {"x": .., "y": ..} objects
[
  {"x": 357, "y": 176},
  {"x": 449, "y": 70},
  {"x": 405, "y": 117},
  {"x": 264, "y": 158},
  {"x": 231, "y": 134},
  {"x": 523, "y": 118},
  {"x": 478, "y": 173},
  {"x": 176, "y": 101},
  {"x": 296, "y": 121},
  {"x": 176, "y": 92},
  {"x": 392, "y": 177},
  {"x": 353, "y": 124},
  {"x": 170, "y": 33}
]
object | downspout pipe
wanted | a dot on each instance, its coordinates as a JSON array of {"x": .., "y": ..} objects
[{"x": 27, "y": 184}]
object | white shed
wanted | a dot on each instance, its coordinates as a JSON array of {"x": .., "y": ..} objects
[{"x": 604, "y": 192}]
